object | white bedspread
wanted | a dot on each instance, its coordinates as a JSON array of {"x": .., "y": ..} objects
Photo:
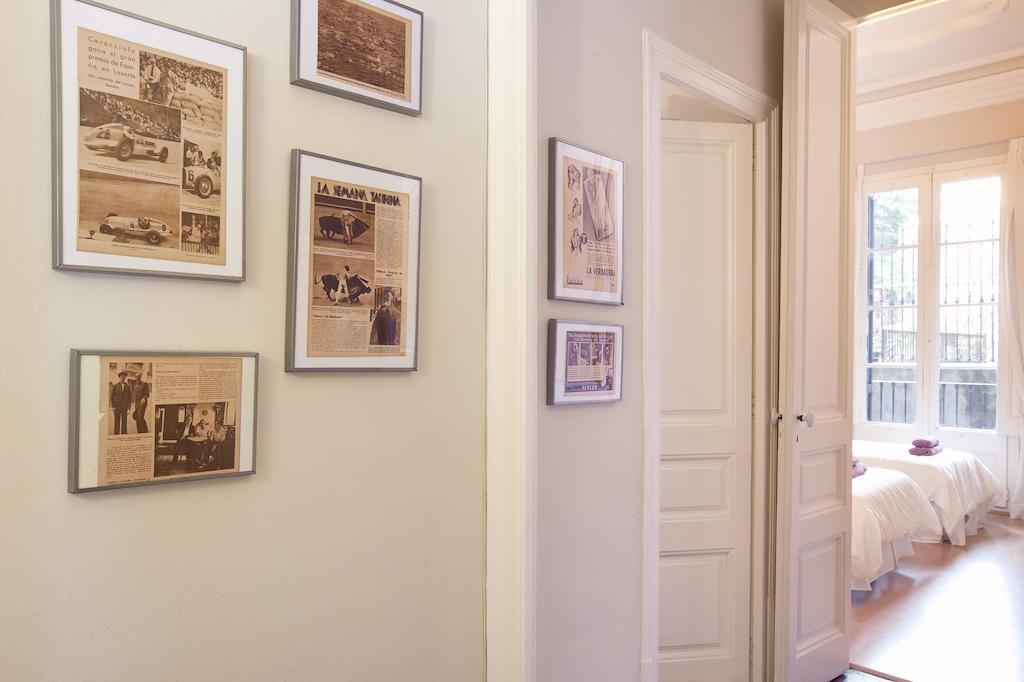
[
  {"x": 888, "y": 510},
  {"x": 956, "y": 482}
]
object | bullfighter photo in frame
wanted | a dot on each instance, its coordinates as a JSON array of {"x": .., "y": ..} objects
[
  {"x": 148, "y": 146},
  {"x": 353, "y": 284},
  {"x": 370, "y": 51}
]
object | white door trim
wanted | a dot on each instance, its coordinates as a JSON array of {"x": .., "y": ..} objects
[
  {"x": 662, "y": 60},
  {"x": 511, "y": 396}
]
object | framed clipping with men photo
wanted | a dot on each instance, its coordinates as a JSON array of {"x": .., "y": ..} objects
[
  {"x": 370, "y": 51},
  {"x": 585, "y": 205},
  {"x": 584, "y": 362},
  {"x": 353, "y": 283},
  {"x": 148, "y": 146},
  {"x": 143, "y": 418}
]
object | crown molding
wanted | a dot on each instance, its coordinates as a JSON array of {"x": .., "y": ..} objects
[{"x": 999, "y": 88}]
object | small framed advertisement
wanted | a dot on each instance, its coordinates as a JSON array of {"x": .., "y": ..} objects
[
  {"x": 585, "y": 204},
  {"x": 144, "y": 418},
  {"x": 370, "y": 51},
  {"x": 584, "y": 362},
  {"x": 353, "y": 282},
  {"x": 148, "y": 146}
]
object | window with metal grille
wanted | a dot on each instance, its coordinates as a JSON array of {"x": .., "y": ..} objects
[{"x": 928, "y": 300}]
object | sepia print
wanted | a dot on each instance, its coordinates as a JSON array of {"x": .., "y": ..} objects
[
  {"x": 586, "y": 228},
  {"x": 365, "y": 45},
  {"x": 149, "y": 146},
  {"x": 354, "y": 273},
  {"x": 359, "y": 238},
  {"x": 170, "y": 416}
]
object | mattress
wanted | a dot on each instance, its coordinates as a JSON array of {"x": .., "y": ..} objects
[
  {"x": 889, "y": 511},
  {"x": 956, "y": 482}
]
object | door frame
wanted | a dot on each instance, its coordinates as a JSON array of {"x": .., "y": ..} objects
[
  {"x": 511, "y": 371},
  {"x": 664, "y": 61}
]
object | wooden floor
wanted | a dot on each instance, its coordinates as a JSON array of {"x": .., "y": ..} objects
[{"x": 948, "y": 614}]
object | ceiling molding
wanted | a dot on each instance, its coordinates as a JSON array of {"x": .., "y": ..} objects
[
  {"x": 999, "y": 88},
  {"x": 942, "y": 71}
]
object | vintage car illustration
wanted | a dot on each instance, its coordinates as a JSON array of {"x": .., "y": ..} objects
[
  {"x": 202, "y": 180},
  {"x": 150, "y": 229},
  {"x": 121, "y": 140}
]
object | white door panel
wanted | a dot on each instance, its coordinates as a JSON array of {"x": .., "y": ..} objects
[
  {"x": 815, "y": 380},
  {"x": 704, "y": 326}
]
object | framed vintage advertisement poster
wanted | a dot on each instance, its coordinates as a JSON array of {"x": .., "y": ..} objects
[
  {"x": 353, "y": 262},
  {"x": 584, "y": 362},
  {"x": 370, "y": 51},
  {"x": 143, "y": 418},
  {"x": 585, "y": 252},
  {"x": 148, "y": 146}
]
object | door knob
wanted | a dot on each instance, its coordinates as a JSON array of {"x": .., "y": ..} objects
[{"x": 807, "y": 418}]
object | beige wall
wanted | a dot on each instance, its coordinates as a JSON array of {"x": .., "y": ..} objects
[
  {"x": 942, "y": 139},
  {"x": 356, "y": 551},
  {"x": 590, "y": 458}
]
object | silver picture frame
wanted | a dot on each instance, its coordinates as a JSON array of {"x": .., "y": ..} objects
[
  {"x": 556, "y": 292},
  {"x": 57, "y": 147},
  {"x": 74, "y": 420},
  {"x": 298, "y": 194},
  {"x": 354, "y": 92},
  {"x": 556, "y": 393}
]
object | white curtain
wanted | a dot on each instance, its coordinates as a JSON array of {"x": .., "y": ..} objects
[{"x": 1011, "y": 307}]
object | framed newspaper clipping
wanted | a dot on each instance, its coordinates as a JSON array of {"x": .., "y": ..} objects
[
  {"x": 370, "y": 51},
  {"x": 144, "y": 418},
  {"x": 584, "y": 362},
  {"x": 585, "y": 204},
  {"x": 353, "y": 260},
  {"x": 148, "y": 146}
]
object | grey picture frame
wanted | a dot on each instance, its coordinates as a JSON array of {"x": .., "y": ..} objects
[
  {"x": 551, "y": 397},
  {"x": 291, "y": 312},
  {"x": 74, "y": 440},
  {"x": 57, "y": 147},
  {"x": 414, "y": 109},
  {"x": 554, "y": 226}
]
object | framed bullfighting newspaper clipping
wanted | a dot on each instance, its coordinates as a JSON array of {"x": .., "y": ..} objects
[
  {"x": 585, "y": 204},
  {"x": 584, "y": 362},
  {"x": 353, "y": 263},
  {"x": 148, "y": 146},
  {"x": 143, "y": 418},
  {"x": 370, "y": 51}
]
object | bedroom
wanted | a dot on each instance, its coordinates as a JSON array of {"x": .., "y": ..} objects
[{"x": 937, "y": 538}]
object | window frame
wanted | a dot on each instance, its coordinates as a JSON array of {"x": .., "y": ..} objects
[{"x": 928, "y": 181}]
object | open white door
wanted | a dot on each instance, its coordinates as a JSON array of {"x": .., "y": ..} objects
[
  {"x": 813, "y": 542},
  {"x": 705, "y": 313}
]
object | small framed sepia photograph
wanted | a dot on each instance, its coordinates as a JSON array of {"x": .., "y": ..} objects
[
  {"x": 584, "y": 362},
  {"x": 585, "y": 206},
  {"x": 353, "y": 266},
  {"x": 148, "y": 146},
  {"x": 370, "y": 51},
  {"x": 144, "y": 418}
]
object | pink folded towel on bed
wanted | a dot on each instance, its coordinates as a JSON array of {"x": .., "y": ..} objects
[
  {"x": 856, "y": 468},
  {"x": 926, "y": 442},
  {"x": 926, "y": 452}
]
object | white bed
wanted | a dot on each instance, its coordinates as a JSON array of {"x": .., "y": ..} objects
[
  {"x": 956, "y": 483},
  {"x": 889, "y": 511}
]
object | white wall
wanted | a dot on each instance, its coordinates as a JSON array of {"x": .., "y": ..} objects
[
  {"x": 356, "y": 551},
  {"x": 590, "y": 460}
]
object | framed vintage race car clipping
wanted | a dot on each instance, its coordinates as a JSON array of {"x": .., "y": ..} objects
[
  {"x": 143, "y": 418},
  {"x": 148, "y": 146},
  {"x": 370, "y": 51},
  {"x": 585, "y": 206},
  {"x": 584, "y": 362},
  {"x": 353, "y": 279}
]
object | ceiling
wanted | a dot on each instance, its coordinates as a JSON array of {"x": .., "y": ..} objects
[{"x": 935, "y": 39}]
